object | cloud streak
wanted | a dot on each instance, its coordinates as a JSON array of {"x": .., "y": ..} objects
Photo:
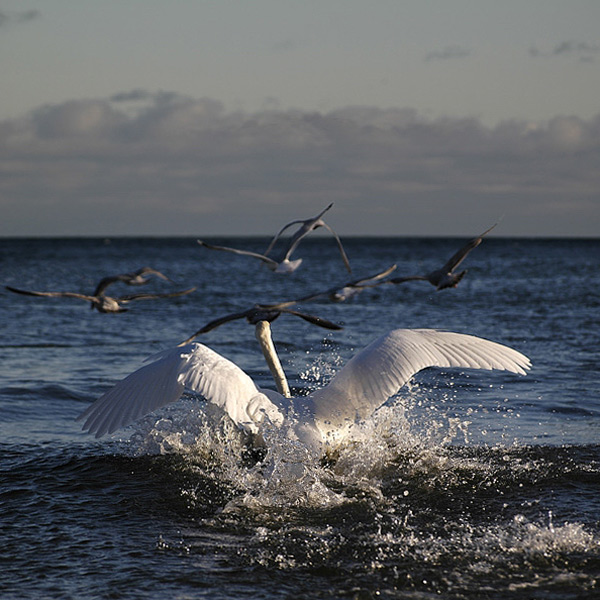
[
  {"x": 179, "y": 165},
  {"x": 582, "y": 51},
  {"x": 448, "y": 53},
  {"x": 16, "y": 17}
]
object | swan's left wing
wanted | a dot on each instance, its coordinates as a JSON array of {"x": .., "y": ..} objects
[
  {"x": 193, "y": 366},
  {"x": 378, "y": 371}
]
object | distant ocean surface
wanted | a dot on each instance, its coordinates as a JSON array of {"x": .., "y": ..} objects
[{"x": 468, "y": 484}]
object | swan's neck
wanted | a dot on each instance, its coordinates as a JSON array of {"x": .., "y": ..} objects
[{"x": 263, "y": 335}]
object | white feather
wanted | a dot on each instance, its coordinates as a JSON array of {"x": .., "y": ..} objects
[{"x": 366, "y": 382}]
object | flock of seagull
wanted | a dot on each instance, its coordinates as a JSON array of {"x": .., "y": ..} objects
[
  {"x": 328, "y": 416},
  {"x": 109, "y": 304}
]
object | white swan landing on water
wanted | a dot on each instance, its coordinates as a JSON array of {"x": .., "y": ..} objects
[{"x": 320, "y": 420}]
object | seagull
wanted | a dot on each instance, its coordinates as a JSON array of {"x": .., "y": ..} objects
[
  {"x": 264, "y": 312},
  {"x": 103, "y": 304},
  {"x": 284, "y": 266},
  {"x": 306, "y": 226},
  {"x": 261, "y": 316},
  {"x": 139, "y": 277},
  {"x": 350, "y": 289},
  {"x": 446, "y": 277},
  {"x": 322, "y": 420}
]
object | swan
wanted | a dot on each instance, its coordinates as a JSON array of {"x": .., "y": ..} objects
[
  {"x": 306, "y": 226},
  {"x": 446, "y": 277},
  {"x": 103, "y": 304},
  {"x": 321, "y": 420}
]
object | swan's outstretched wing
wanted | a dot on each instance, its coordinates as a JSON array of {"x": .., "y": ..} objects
[
  {"x": 268, "y": 261},
  {"x": 145, "y": 390},
  {"x": 382, "y": 368},
  {"x": 163, "y": 381}
]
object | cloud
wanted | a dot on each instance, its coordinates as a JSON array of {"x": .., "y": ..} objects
[
  {"x": 16, "y": 17},
  {"x": 132, "y": 96},
  {"x": 448, "y": 53},
  {"x": 179, "y": 165},
  {"x": 582, "y": 51}
]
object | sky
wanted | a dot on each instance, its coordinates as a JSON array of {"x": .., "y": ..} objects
[{"x": 231, "y": 117}]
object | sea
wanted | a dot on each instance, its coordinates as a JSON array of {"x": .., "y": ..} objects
[{"x": 466, "y": 484}]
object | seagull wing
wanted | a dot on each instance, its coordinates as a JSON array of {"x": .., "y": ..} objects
[
  {"x": 459, "y": 256},
  {"x": 372, "y": 279},
  {"x": 216, "y": 323},
  {"x": 279, "y": 234},
  {"x": 339, "y": 243},
  {"x": 162, "y": 381},
  {"x": 313, "y": 319},
  {"x": 151, "y": 271},
  {"x": 53, "y": 294},
  {"x": 306, "y": 227},
  {"x": 378, "y": 371},
  {"x": 149, "y": 296},
  {"x": 262, "y": 257},
  {"x": 106, "y": 281}
]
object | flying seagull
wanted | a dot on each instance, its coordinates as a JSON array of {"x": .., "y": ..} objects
[
  {"x": 347, "y": 290},
  {"x": 103, "y": 304},
  {"x": 322, "y": 420},
  {"x": 263, "y": 312},
  {"x": 446, "y": 277},
  {"x": 306, "y": 226},
  {"x": 285, "y": 265},
  {"x": 261, "y": 316},
  {"x": 139, "y": 277}
]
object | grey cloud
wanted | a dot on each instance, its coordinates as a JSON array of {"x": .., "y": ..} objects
[
  {"x": 582, "y": 51},
  {"x": 284, "y": 46},
  {"x": 132, "y": 96},
  {"x": 180, "y": 165},
  {"x": 448, "y": 53},
  {"x": 576, "y": 48},
  {"x": 15, "y": 17}
]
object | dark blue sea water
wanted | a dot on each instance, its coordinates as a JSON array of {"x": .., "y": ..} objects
[{"x": 468, "y": 484}]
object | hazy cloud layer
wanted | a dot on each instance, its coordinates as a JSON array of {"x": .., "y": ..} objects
[
  {"x": 448, "y": 53},
  {"x": 16, "y": 17},
  {"x": 582, "y": 51},
  {"x": 178, "y": 165}
]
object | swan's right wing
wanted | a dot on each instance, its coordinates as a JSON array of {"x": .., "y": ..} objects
[
  {"x": 377, "y": 372},
  {"x": 226, "y": 385},
  {"x": 193, "y": 366},
  {"x": 144, "y": 391}
]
